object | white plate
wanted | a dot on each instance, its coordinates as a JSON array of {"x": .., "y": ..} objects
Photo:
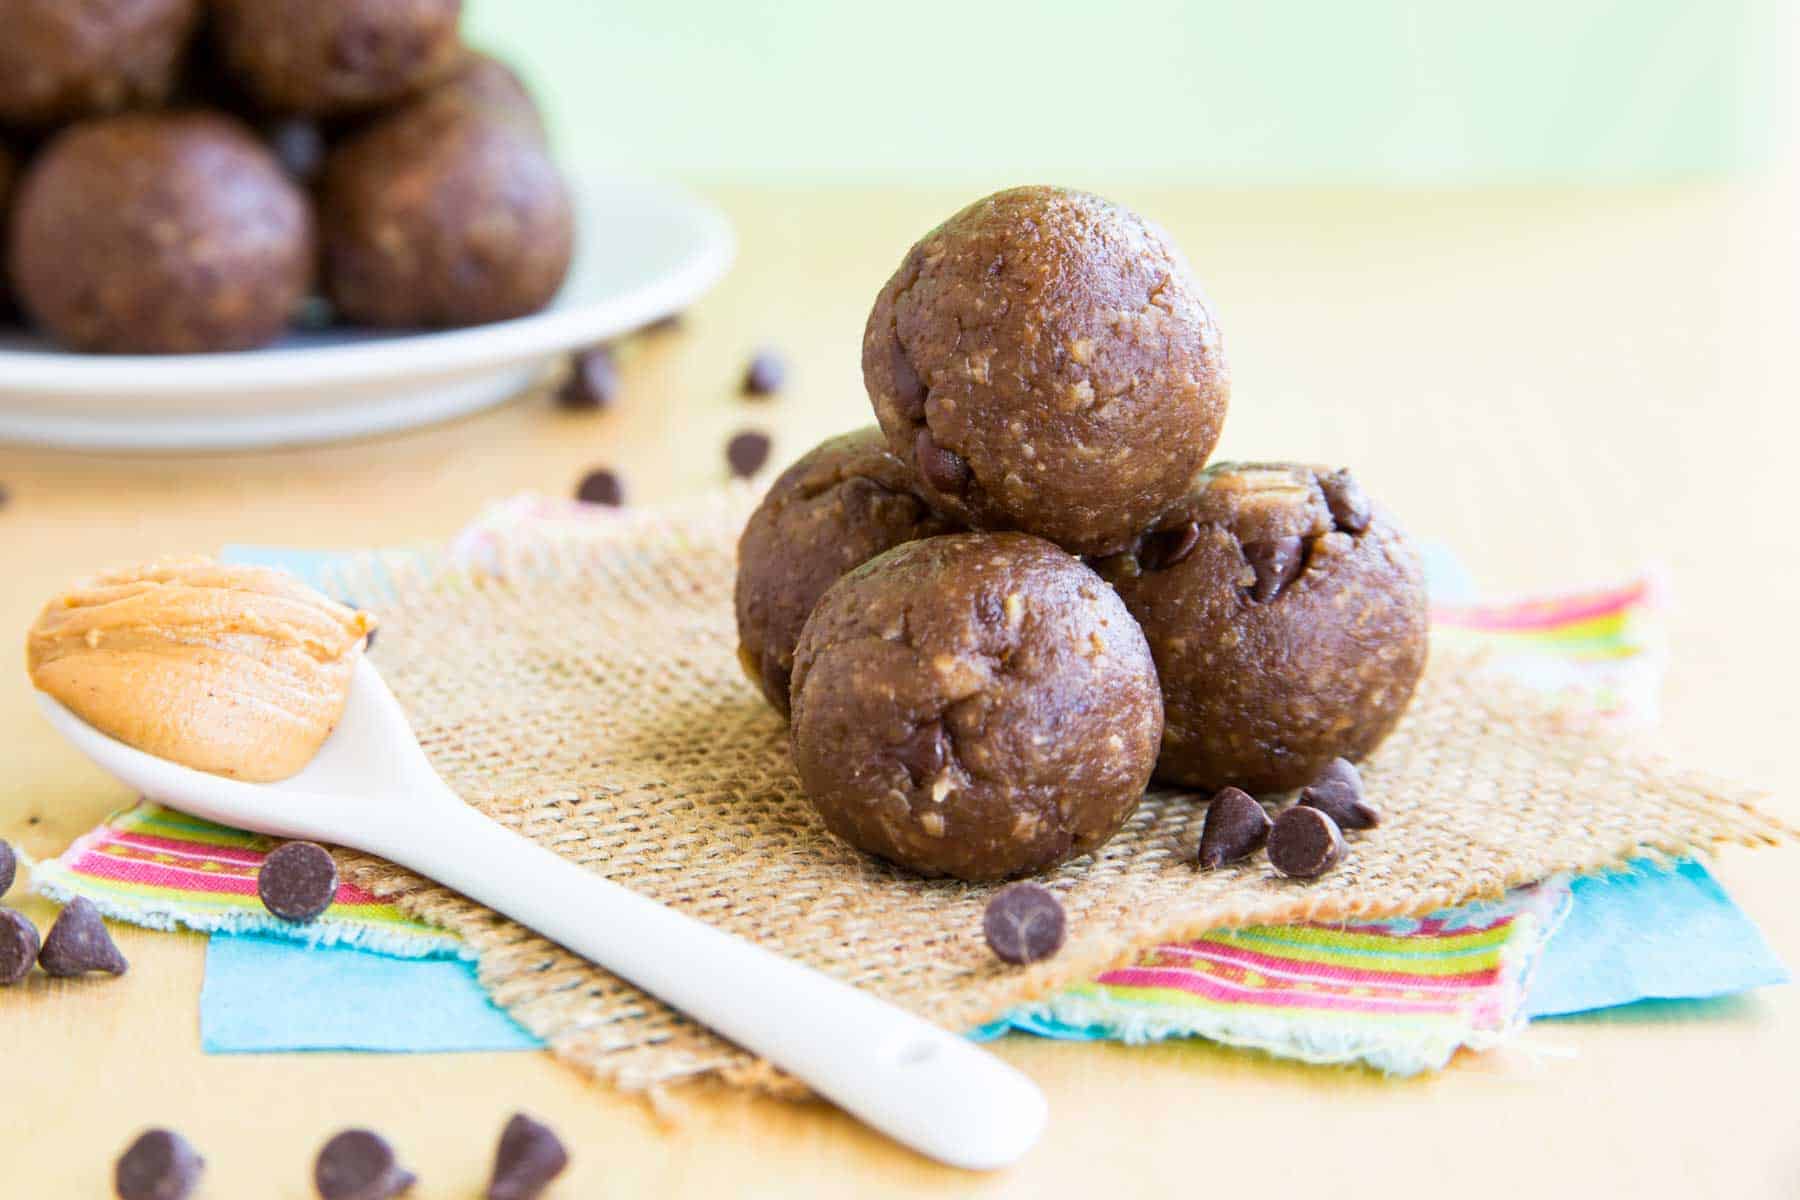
[{"x": 644, "y": 250}]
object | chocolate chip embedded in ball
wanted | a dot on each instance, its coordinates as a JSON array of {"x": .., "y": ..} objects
[
  {"x": 1304, "y": 843},
  {"x": 358, "y": 1164},
  {"x": 79, "y": 943},
  {"x": 1236, "y": 827},
  {"x": 530, "y": 1156},
  {"x": 1282, "y": 639},
  {"x": 297, "y": 881},
  {"x": 158, "y": 1165},
  {"x": 1024, "y": 923},
  {"x": 1338, "y": 793},
  {"x": 1057, "y": 346},
  {"x": 975, "y": 705},
  {"x": 845, "y": 501},
  {"x": 18, "y": 946}
]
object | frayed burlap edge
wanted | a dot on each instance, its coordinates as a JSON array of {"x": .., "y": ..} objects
[{"x": 584, "y": 690}]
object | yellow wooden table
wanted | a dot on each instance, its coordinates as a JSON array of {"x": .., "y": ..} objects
[{"x": 1563, "y": 385}]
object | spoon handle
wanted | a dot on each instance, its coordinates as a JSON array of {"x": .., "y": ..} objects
[{"x": 927, "y": 1088}]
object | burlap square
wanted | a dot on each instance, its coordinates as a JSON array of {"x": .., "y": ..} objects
[{"x": 587, "y": 693}]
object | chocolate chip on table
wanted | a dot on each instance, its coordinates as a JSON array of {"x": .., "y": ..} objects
[
  {"x": 765, "y": 374},
  {"x": 1024, "y": 923},
  {"x": 298, "y": 881},
  {"x": 1349, "y": 504},
  {"x": 747, "y": 452},
  {"x": 9, "y": 868},
  {"x": 1166, "y": 547},
  {"x": 1236, "y": 827},
  {"x": 601, "y": 487},
  {"x": 1304, "y": 843},
  {"x": 1338, "y": 793},
  {"x": 18, "y": 946},
  {"x": 593, "y": 382},
  {"x": 5, "y": 496},
  {"x": 668, "y": 324},
  {"x": 943, "y": 469},
  {"x": 1277, "y": 563},
  {"x": 159, "y": 1165},
  {"x": 358, "y": 1164},
  {"x": 529, "y": 1157},
  {"x": 78, "y": 943}
]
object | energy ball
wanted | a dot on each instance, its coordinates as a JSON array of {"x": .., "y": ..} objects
[
  {"x": 974, "y": 705},
  {"x": 1288, "y": 619},
  {"x": 1043, "y": 361},
  {"x": 439, "y": 215},
  {"x": 843, "y": 503},
  {"x": 328, "y": 58},
  {"x": 160, "y": 234},
  {"x": 60, "y": 60}
]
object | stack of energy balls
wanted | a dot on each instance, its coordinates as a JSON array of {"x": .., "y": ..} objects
[
  {"x": 183, "y": 176},
  {"x": 997, "y": 616}
]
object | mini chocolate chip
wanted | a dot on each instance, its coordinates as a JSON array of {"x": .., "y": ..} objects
[
  {"x": 529, "y": 1157},
  {"x": 601, "y": 486},
  {"x": 1236, "y": 826},
  {"x": 1304, "y": 842},
  {"x": 944, "y": 470},
  {"x": 909, "y": 389},
  {"x": 299, "y": 145},
  {"x": 18, "y": 946},
  {"x": 747, "y": 452},
  {"x": 159, "y": 1165},
  {"x": 5, "y": 495},
  {"x": 1024, "y": 923},
  {"x": 298, "y": 881},
  {"x": 358, "y": 1164},
  {"x": 1277, "y": 563},
  {"x": 668, "y": 324},
  {"x": 369, "y": 640},
  {"x": 765, "y": 374},
  {"x": 1338, "y": 793},
  {"x": 1166, "y": 547},
  {"x": 924, "y": 752},
  {"x": 1349, "y": 504},
  {"x": 9, "y": 868},
  {"x": 78, "y": 943},
  {"x": 593, "y": 382}
]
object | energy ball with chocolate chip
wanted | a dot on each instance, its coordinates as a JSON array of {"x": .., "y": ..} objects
[
  {"x": 975, "y": 705},
  {"x": 1288, "y": 619},
  {"x": 61, "y": 60},
  {"x": 160, "y": 234},
  {"x": 1044, "y": 362},
  {"x": 842, "y": 504},
  {"x": 439, "y": 215},
  {"x": 334, "y": 57}
]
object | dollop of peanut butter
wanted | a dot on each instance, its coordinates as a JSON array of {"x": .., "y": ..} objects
[{"x": 240, "y": 671}]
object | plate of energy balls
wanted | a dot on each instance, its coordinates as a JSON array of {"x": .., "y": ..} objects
[
  {"x": 995, "y": 617},
  {"x": 231, "y": 223}
]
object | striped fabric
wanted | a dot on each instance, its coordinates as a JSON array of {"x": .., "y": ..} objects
[{"x": 1402, "y": 996}]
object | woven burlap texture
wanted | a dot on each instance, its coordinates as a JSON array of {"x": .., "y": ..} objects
[{"x": 587, "y": 694}]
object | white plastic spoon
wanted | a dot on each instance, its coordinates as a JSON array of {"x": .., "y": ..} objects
[{"x": 373, "y": 789}]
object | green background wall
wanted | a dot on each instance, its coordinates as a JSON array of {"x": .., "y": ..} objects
[{"x": 1275, "y": 91}]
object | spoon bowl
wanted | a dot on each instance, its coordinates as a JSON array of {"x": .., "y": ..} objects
[{"x": 371, "y": 788}]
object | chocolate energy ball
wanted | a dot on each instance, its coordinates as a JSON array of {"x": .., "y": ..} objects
[
  {"x": 60, "y": 60},
  {"x": 160, "y": 234},
  {"x": 975, "y": 705},
  {"x": 1044, "y": 362},
  {"x": 843, "y": 503},
  {"x": 1288, "y": 619},
  {"x": 335, "y": 57},
  {"x": 439, "y": 215}
]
